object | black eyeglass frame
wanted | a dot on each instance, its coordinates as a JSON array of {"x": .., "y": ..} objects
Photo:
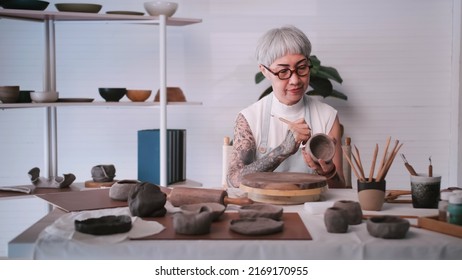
[{"x": 310, "y": 65}]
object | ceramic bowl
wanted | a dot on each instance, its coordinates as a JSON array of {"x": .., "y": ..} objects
[
  {"x": 9, "y": 94},
  {"x": 157, "y": 8},
  {"x": 388, "y": 227},
  {"x": 25, "y": 4},
  {"x": 44, "y": 96},
  {"x": 112, "y": 94},
  {"x": 320, "y": 146},
  {"x": 78, "y": 7},
  {"x": 138, "y": 95},
  {"x": 174, "y": 94}
]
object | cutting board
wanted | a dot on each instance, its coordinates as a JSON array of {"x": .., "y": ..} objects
[
  {"x": 283, "y": 187},
  {"x": 91, "y": 199},
  {"x": 294, "y": 229}
]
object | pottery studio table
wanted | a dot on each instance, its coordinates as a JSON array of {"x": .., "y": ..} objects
[{"x": 419, "y": 243}]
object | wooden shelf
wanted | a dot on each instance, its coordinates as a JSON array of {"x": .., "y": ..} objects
[
  {"x": 93, "y": 104},
  {"x": 70, "y": 16}
]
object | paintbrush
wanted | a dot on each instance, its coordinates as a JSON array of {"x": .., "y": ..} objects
[{"x": 408, "y": 166}]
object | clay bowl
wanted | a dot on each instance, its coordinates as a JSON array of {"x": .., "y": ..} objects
[
  {"x": 78, "y": 7},
  {"x": 44, "y": 96},
  {"x": 35, "y": 5},
  {"x": 320, "y": 146},
  {"x": 138, "y": 95},
  {"x": 157, "y": 8},
  {"x": 174, "y": 94},
  {"x": 216, "y": 209},
  {"x": 112, "y": 94},
  {"x": 9, "y": 94},
  {"x": 388, "y": 227}
]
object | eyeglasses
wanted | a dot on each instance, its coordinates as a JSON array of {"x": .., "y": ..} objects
[{"x": 285, "y": 74}]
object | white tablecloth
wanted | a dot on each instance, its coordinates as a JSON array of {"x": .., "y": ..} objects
[{"x": 355, "y": 244}]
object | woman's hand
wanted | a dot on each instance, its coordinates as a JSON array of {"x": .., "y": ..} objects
[
  {"x": 322, "y": 168},
  {"x": 299, "y": 133}
]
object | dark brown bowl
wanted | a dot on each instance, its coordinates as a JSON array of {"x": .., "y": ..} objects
[
  {"x": 25, "y": 4},
  {"x": 112, "y": 94},
  {"x": 78, "y": 7}
]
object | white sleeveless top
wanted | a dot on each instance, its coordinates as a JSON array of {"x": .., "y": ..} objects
[{"x": 269, "y": 132}]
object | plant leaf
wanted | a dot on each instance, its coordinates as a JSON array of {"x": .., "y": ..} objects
[
  {"x": 328, "y": 72},
  {"x": 266, "y": 92},
  {"x": 321, "y": 86},
  {"x": 259, "y": 77}
]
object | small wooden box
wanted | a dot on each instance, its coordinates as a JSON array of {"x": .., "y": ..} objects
[{"x": 433, "y": 224}]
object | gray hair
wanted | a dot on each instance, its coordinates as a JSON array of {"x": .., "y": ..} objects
[{"x": 278, "y": 42}]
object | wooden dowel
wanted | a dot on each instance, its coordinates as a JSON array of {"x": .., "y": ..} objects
[
  {"x": 374, "y": 159},
  {"x": 382, "y": 162},
  {"x": 390, "y": 160},
  {"x": 361, "y": 176},
  {"x": 352, "y": 166},
  {"x": 359, "y": 163}
]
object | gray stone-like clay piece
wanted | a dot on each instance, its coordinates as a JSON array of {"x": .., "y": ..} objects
[
  {"x": 103, "y": 173},
  {"x": 336, "y": 220},
  {"x": 388, "y": 227},
  {"x": 353, "y": 208},
  {"x": 193, "y": 223},
  {"x": 54, "y": 182},
  {"x": 147, "y": 200},
  {"x": 216, "y": 209},
  {"x": 261, "y": 211},
  {"x": 320, "y": 146},
  {"x": 256, "y": 226},
  {"x": 120, "y": 190}
]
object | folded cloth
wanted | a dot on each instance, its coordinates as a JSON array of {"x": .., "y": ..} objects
[
  {"x": 22, "y": 189},
  {"x": 318, "y": 207},
  {"x": 64, "y": 227}
]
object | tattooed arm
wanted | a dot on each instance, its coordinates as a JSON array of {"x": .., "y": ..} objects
[{"x": 243, "y": 158}]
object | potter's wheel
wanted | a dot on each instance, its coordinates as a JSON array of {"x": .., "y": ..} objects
[{"x": 283, "y": 187}]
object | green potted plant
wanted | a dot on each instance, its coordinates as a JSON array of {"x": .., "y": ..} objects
[{"x": 320, "y": 83}]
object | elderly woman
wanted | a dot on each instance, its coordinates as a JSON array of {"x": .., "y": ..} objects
[{"x": 262, "y": 142}]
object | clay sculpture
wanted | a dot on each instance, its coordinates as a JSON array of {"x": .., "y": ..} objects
[
  {"x": 193, "y": 223},
  {"x": 103, "y": 173},
  {"x": 53, "y": 182},
  {"x": 121, "y": 189}
]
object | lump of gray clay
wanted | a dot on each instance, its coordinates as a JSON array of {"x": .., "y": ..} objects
[
  {"x": 193, "y": 223},
  {"x": 120, "y": 190},
  {"x": 388, "y": 227},
  {"x": 353, "y": 210},
  {"x": 103, "y": 172},
  {"x": 256, "y": 226},
  {"x": 147, "y": 200},
  {"x": 261, "y": 211},
  {"x": 57, "y": 182}
]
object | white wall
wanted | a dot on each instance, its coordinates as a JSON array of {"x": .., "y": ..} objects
[{"x": 396, "y": 59}]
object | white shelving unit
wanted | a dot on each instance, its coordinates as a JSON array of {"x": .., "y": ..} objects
[{"x": 49, "y": 19}]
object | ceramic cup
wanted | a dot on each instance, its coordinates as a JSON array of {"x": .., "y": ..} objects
[
  {"x": 320, "y": 146},
  {"x": 371, "y": 195},
  {"x": 353, "y": 209},
  {"x": 425, "y": 191},
  {"x": 336, "y": 220}
]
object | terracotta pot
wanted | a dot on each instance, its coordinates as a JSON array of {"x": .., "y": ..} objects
[{"x": 174, "y": 94}]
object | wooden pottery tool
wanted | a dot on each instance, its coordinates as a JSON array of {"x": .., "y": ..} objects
[
  {"x": 179, "y": 196},
  {"x": 408, "y": 166}
]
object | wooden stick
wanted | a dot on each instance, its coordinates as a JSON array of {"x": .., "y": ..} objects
[
  {"x": 374, "y": 159},
  {"x": 352, "y": 166},
  {"x": 285, "y": 121},
  {"x": 382, "y": 162},
  {"x": 359, "y": 163},
  {"x": 390, "y": 161}
]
